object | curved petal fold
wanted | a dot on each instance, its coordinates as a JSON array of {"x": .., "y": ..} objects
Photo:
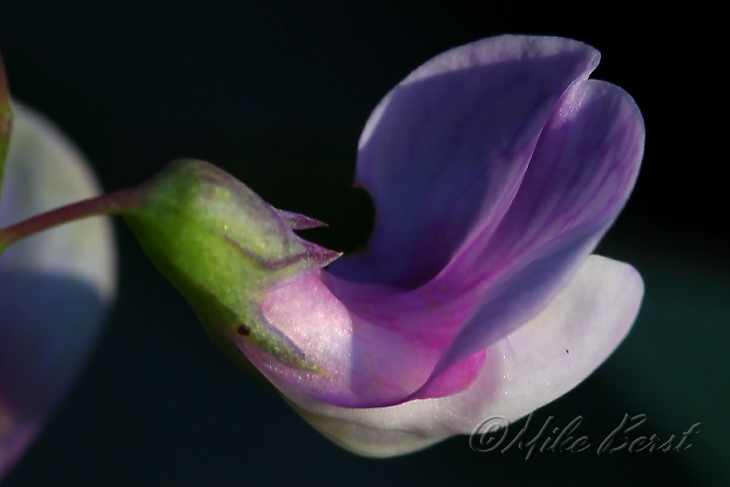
[
  {"x": 544, "y": 359},
  {"x": 580, "y": 176},
  {"x": 54, "y": 287}
]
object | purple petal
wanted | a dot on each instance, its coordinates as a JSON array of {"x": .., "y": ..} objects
[
  {"x": 529, "y": 368},
  {"x": 54, "y": 286},
  {"x": 444, "y": 152},
  {"x": 579, "y": 179}
]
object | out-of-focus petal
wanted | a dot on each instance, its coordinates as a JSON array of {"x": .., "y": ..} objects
[
  {"x": 444, "y": 152},
  {"x": 539, "y": 362},
  {"x": 54, "y": 287}
]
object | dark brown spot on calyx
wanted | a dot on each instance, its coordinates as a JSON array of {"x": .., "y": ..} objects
[{"x": 243, "y": 330}]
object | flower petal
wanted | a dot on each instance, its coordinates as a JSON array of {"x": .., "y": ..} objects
[
  {"x": 54, "y": 286},
  {"x": 529, "y": 368},
  {"x": 444, "y": 152},
  {"x": 362, "y": 364},
  {"x": 581, "y": 174}
]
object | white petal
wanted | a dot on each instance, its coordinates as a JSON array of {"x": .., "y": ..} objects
[
  {"x": 54, "y": 286},
  {"x": 539, "y": 362}
]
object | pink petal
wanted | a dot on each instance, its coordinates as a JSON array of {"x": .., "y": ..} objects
[{"x": 361, "y": 363}]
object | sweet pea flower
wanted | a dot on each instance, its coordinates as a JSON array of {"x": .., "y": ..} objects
[
  {"x": 495, "y": 169},
  {"x": 54, "y": 286}
]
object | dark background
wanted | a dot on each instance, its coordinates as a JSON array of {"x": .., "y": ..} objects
[{"x": 277, "y": 93}]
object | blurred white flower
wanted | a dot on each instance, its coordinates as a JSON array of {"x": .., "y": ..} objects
[{"x": 54, "y": 287}]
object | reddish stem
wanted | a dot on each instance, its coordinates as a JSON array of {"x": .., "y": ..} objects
[{"x": 108, "y": 204}]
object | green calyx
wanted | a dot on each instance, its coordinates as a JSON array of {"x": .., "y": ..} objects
[{"x": 223, "y": 247}]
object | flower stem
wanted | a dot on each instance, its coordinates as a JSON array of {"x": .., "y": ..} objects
[{"x": 107, "y": 204}]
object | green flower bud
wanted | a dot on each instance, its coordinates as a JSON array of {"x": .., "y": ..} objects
[{"x": 222, "y": 247}]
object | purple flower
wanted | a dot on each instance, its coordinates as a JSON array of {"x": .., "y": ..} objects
[
  {"x": 495, "y": 168},
  {"x": 54, "y": 286}
]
